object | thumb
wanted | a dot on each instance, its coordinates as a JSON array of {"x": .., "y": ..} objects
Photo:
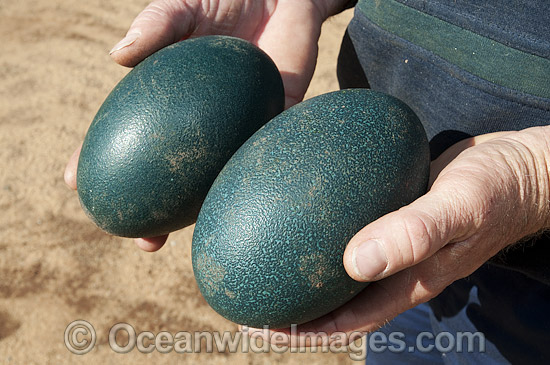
[
  {"x": 160, "y": 24},
  {"x": 405, "y": 237}
]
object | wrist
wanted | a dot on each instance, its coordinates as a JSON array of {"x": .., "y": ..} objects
[
  {"x": 510, "y": 175},
  {"x": 532, "y": 147},
  {"x": 542, "y": 155}
]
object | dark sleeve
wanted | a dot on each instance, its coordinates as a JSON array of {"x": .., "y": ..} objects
[{"x": 350, "y": 4}]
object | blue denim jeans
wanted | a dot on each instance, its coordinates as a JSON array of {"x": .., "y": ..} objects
[
  {"x": 425, "y": 340},
  {"x": 506, "y": 308}
]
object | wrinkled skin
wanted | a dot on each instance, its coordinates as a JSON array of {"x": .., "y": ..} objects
[{"x": 487, "y": 192}]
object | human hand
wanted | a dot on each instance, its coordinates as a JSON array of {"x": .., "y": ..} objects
[
  {"x": 287, "y": 30},
  {"x": 488, "y": 192}
]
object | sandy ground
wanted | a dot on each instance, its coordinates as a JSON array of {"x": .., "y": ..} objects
[{"x": 55, "y": 265}]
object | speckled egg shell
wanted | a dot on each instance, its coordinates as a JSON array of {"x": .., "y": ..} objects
[
  {"x": 167, "y": 129},
  {"x": 268, "y": 244}
]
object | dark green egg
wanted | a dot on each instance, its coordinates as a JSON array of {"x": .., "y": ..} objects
[
  {"x": 270, "y": 237},
  {"x": 168, "y": 128}
]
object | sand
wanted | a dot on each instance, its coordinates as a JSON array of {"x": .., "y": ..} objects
[{"x": 55, "y": 265}]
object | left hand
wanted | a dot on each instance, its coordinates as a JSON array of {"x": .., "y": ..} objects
[
  {"x": 488, "y": 192},
  {"x": 272, "y": 25}
]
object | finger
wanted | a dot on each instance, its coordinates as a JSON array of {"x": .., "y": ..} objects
[
  {"x": 160, "y": 24},
  {"x": 408, "y": 236},
  {"x": 413, "y": 233},
  {"x": 382, "y": 300},
  {"x": 151, "y": 244},
  {"x": 70, "y": 170},
  {"x": 293, "y": 49}
]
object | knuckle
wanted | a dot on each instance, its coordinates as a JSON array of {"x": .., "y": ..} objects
[{"x": 417, "y": 243}]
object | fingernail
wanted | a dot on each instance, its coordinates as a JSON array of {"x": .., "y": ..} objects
[
  {"x": 369, "y": 259},
  {"x": 125, "y": 42}
]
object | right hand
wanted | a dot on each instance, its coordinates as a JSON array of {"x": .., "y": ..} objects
[{"x": 287, "y": 30}]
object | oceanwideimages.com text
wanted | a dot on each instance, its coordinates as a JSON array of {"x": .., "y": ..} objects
[{"x": 80, "y": 338}]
